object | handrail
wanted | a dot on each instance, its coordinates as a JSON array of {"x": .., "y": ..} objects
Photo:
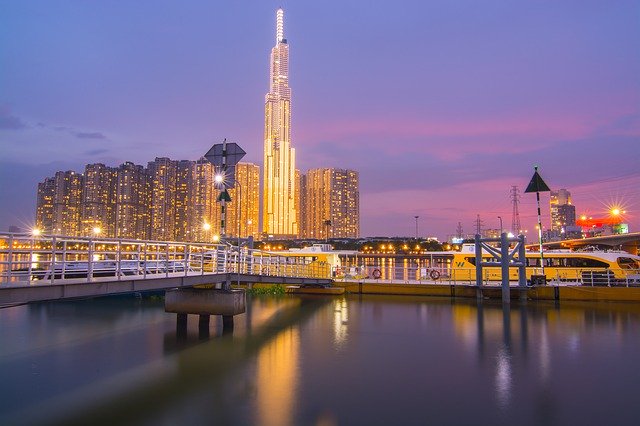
[{"x": 26, "y": 258}]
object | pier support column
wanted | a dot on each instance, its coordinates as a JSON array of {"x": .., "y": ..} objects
[
  {"x": 203, "y": 326},
  {"x": 227, "y": 324},
  {"x": 181, "y": 325}
]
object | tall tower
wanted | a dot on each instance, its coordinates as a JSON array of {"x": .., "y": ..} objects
[
  {"x": 279, "y": 200},
  {"x": 515, "y": 214}
]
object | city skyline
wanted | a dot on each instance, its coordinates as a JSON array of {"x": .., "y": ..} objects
[{"x": 441, "y": 107}]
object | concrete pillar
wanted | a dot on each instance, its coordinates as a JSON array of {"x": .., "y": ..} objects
[
  {"x": 203, "y": 326},
  {"x": 227, "y": 324},
  {"x": 181, "y": 325}
]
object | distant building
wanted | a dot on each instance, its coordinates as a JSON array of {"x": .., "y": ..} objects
[
  {"x": 98, "y": 207},
  {"x": 205, "y": 212},
  {"x": 132, "y": 202},
  {"x": 563, "y": 215},
  {"x": 279, "y": 200},
  {"x": 331, "y": 204},
  {"x": 44, "y": 205},
  {"x": 247, "y": 196},
  {"x": 67, "y": 203}
]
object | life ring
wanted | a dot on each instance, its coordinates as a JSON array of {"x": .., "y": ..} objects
[
  {"x": 434, "y": 274},
  {"x": 376, "y": 273}
]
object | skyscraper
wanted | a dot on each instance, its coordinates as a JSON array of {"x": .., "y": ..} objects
[
  {"x": 331, "y": 206},
  {"x": 279, "y": 200},
  {"x": 66, "y": 203},
  {"x": 563, "y": 213},
  {"x": 247, "y": 196},
  {"x": 98, "y": 200}
]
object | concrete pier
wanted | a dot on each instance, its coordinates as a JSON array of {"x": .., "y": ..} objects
[{"x": 205, "y": 302}]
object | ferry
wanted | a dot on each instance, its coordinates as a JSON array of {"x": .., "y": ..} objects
[{"x": 586, "y": 267}]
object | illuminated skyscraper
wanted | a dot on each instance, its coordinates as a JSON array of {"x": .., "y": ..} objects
[
  {"x": 331, "y": 206},
  {"x": 248, "y": 175},
  {"x": 205, "y": 214},
  {"x": 279, "y": 201},
  {"x": 98, "y": 200},
  {"x": 563, "y": 213},
  {"x": 162, "y": 175},
  {"x": 132, "y": 202},
  {"x": 66, "y": 203},
  {"x": 44, "y": 205}
]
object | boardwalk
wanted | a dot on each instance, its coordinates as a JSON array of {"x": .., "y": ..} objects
[{"x": 54, "y": 268}]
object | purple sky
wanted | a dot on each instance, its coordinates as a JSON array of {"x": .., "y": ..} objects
[{"x": 441, "y": 105}]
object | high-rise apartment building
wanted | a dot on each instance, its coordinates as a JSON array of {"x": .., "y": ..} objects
[
  {"x": 279, "y": 201},
  {"x": 331, "y": 204},
  {"x": 44, "y": 205},
  {"x": 246, "y": 195},
  {"x": 66, "y": 203},
  {"x": 563, "y": 213},
  {"x": 162, "y": 178},
  {"x": 205, "y": 212},
  {"x": 183, "y": 200},
  {"x": 98, "y": 205},
  {"x": 132, "y": 202}
]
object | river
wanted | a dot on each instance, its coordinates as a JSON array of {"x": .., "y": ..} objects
[{"x": 293, "y": 360}]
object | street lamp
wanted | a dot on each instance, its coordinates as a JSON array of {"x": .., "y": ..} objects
[
  {"x": 416, "y": 218},
  {"x": 35, "y": 232},
  {"x": 500, "y": 217},
  {"x": 219, "y": 178},
  {"x": 206, "y": 227},
  {"x": 96, "y": 230}
]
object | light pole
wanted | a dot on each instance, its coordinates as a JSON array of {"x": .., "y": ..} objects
[
  {"x": 416, "y": 218},
  {"x": 500, "y": 217},
  {"x": 206, "y": 227},
  {"x": 220, "y": 180}
]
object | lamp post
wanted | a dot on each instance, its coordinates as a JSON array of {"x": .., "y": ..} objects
[
  {"x": 220, "y": 180},
  {"x": 500, "y": 217},
  {"x": 206, "y": 227},
  {"x": 416, "y": 218}
]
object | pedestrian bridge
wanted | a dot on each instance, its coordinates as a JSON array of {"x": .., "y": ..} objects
[{"x": 38, "y": 268}]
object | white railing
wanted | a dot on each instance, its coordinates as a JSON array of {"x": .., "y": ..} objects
[
  {"x": 49, "y": 259},
  {"x": 491, "y": 276}
]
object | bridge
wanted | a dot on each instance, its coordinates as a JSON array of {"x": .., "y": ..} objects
[{"x": 38, "y": 268}]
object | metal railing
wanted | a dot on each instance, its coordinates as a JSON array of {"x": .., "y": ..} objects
[
  {"x": 491, "y": 276},
  {"x": 48, "y": 259}
]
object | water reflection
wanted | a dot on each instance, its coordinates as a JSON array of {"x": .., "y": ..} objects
[
  {"x": 350, "y": 360},
  {"x": 277, "y": 377},
  {"x": 340, "y": 322}
]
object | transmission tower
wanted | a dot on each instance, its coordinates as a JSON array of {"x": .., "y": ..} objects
[
  {"x": 515, "y": 216},
  {"x": 478, "y": 225}
]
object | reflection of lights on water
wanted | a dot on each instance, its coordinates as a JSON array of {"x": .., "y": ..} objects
[
  {"x": 574, "y": 343},
  {"x": 545, "y": 354},
  {"x": 340, "y": 320},
  {"x": 503, "y": 378}
]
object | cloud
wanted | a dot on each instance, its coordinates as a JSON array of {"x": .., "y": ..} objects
[
  {"x": 89, "y": 135},
  {"x": 10, "y": 122}
]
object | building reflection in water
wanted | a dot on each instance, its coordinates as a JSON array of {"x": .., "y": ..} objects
[
  {"x": 277, "y": 378},
  {"x": 340, "y": 322},
  {"x": 504, "y": 361}
]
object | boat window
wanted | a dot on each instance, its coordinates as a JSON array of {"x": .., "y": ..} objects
[
  {"x": 628, "y": 263},
  {"x": 585, "y": 262}
]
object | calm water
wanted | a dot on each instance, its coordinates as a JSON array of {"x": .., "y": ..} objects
[{"x": 370, "y": 360}]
